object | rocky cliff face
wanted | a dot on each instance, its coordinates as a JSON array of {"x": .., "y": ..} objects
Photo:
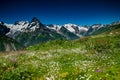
[
  {"x": 3, "y": 29},
  {"x": 6, "y": 43}
]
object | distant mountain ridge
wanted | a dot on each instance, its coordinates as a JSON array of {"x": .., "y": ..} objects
[
  {"x": 32, "y": 32},
  {"x": 35, "y": 24}
]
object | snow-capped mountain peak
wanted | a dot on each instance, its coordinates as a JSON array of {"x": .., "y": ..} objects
[
  {"x": 75, "y": 28},
  {"x": 70, "y": 27},
  {"x": 35, "y": 25},
  {"x": 36, "y": 20},
  {"x": 20, "y": 26}
]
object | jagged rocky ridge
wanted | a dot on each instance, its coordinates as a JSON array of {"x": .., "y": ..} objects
[{"x": 33, "y": 32}]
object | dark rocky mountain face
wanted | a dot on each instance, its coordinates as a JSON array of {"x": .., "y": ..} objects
[
  {"x": 76, "y": 29},
  {"x": 68, "y": 34},
  {"x": 3, "y": 29},
  {"x": 36, "y": 22},
  {"x": 34, "y": 19}
]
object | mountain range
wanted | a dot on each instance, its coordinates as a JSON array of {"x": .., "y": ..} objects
[{"x": 27, "y": 33}]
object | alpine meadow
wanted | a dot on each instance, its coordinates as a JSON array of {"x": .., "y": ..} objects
[{"x": 59, "y": 40}]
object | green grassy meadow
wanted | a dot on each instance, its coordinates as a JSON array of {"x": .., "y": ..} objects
[{"x": 90, "y": 58}]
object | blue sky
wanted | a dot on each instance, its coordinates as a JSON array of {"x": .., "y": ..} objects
[{"x": 80, "y": 12}]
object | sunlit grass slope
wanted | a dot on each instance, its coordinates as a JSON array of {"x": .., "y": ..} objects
[{"x": 90, "y": 58}]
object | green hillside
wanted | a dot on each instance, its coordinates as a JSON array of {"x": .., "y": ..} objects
[
  {"x": 106, "y": 29},
  {"x": 91, "y": 58},
  {"x": 8, "y": 44},
  {"x": 32, "y": 38}
]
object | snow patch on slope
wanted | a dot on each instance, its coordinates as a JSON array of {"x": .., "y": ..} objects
[
  {"x": 82, "y": 29},
  {"x": 19, "y": 26},
  {"x": 69, "y": 27},
  {"x": 16, "y": 28},
  {"x": 54, "y": 27}
]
